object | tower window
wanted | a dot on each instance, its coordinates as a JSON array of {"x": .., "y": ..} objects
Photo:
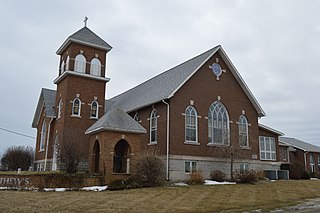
[
  {"x": 67, "y": 63},
  {"x": 62, "y": 67},
  {"x": 94, "y": 112},
  {"x": 76, "y": 107},
  {"x": 80, "y": 64},
  {"x": 95, "y": 67}
]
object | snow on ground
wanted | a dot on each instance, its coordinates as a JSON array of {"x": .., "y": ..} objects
[
  {"x": 89, "y": 188},
  {"x": 207, "y": 182},
  {"x": 211, "y": 182}
]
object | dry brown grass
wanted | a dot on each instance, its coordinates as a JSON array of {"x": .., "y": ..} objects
[{"x": 226, "y": 198}]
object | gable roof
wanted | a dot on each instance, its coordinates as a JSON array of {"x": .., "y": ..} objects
[
  {"x": 87, "y": 37},
  {"x": 166, "y": 84},
  {"x": 47, "y": 102},
  {"x": 269, "y": 129},
  {"x": 118, "y": 121},
  {"x": 300, "y": 144}
]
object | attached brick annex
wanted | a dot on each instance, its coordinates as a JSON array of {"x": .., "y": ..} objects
[{"x": 196, "y": 115}]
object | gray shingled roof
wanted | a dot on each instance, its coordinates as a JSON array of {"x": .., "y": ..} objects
[
  {"x": 161, "y": 86},
  {"x": 87, "y": 37},
  {"x": 164, "y": 85},
  {"x": 47, "y": 100},
  {"x": 116, "y": 120},
  {"x": 300, "y": 144}
]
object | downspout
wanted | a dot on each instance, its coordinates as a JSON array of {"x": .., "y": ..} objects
[
  {"x": 305, "y": 160},
  {"x": 168, "y": 138},
  {"x": 48, "y": 136}
]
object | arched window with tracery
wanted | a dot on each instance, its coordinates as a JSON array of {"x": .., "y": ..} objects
[
  {"x": 218, "y": 124},
  {"x": 80, "y": 63},
  {"x": 95, "y": 67},
  {"x": 191, "y": 125}
]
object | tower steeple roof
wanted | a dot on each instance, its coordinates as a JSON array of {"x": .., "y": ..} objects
[{"x": 87, "y": 37}]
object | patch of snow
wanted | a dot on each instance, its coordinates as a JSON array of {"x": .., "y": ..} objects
[
  {"x": 181, "y": 184},
  {"x": 94, "y": 188},
  {"x": 314, "y": 178},
  {"x": 211, "y": 182}
]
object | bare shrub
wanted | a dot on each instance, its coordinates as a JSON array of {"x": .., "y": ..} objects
[
  {"x": 246, "y": 177},
  {"x": 17, "y": 157},
  {"x": 150, "y": 169},
  {"x": 217, "y": 175},
  {"x": 195, "y": 178},
  {"x": 69, "y": 155}
]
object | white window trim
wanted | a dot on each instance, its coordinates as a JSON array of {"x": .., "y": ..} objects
[
  {"x": 190, "y": 162},
  {"x": 97, "y": 113},
  {"x": 43, "y": 135},
  {"x": 80, "y": 65},
  {"x": 79, "y": 110},
  {"x": 312, "y": 164},
  {"x": 95, "y": 65},
  {"x": 196, "y": 125},
  {"x": 212, "y": 125},
  {"x": 59, "y": 108},
  {"x": 265, "y": 151},
  {"x": 153, "y": 128},
  {"x": 247, "y": 130}
]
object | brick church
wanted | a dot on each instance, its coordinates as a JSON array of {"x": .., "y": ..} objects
[{"x": 195, "y": 115}]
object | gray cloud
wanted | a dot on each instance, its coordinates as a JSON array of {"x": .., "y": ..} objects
[{"x": 273, "y": 44}]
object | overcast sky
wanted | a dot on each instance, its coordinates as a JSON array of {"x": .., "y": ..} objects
[{"x": 273, "y": 44}]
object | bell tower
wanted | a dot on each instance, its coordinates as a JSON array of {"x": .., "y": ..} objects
[{"x": 81, "y": 88}]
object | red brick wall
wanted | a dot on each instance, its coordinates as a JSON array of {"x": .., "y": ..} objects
[
  {"x": 107, "y": 141},
  {"x": 204, "y": 89}
]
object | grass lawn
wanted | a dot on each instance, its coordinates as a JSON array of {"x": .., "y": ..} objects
[{"x": 215, "y": 198}]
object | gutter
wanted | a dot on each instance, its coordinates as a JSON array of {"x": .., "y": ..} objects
[
  {"x": 168, "y": 138},
  {"x": 48, "y": 136}
]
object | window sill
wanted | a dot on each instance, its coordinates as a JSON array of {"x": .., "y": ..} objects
[
  {"x": 75, "y": 116},
  {"x": 191, "y": 143},
  {"x": 268, "y": 160},
  {"x": 93, "y": 118},
  {"x": 153, "y": 143},
  {"x": 218, "y": 145},
  {"x": 246, "y": 148},
  {"x": 42, "y": 150}
]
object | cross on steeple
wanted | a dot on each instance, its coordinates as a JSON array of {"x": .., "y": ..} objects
[{"x": 85, "y": 21}]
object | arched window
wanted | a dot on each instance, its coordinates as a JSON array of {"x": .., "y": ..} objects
[
  {"x": 243, "y": 131},
  {"x": 94, "y": 112},
  {"x": 80, "y": 64},
  {"x": 43, "y": 136},
  {"x": 95, "y": 67},
  {"x": 218, "y": 124},
  {"x": 76, "y": 107},
  {"x": 59, "y": 108},
  {"x": 312, "y": 167},
  {"x": 153, "y": 126},
  {"x": 67, "y": 63},
  {"x": 191, "y": 125},
  {"x": 62, "y": 67},
  {"x": 136, "y": 117}
]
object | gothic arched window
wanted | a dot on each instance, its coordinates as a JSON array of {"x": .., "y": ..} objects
[{"x": 218, "y": 124}]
